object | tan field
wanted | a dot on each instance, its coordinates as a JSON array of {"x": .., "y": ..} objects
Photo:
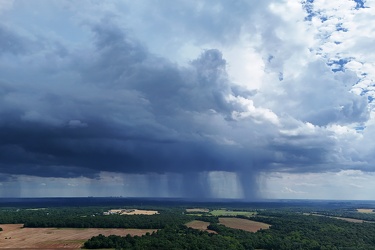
[
  {"x": 132, "y": 212},
  {"x": 365, "y": 210},
  {"x": 14, "y": 236},
  {"x": 243, "y": 224},
  {"x": 200, "y": 225}
]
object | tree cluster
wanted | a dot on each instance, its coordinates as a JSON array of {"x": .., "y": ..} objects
[
  {"x": 91, "y": 218},
  {"x": 172, "y": 237}
]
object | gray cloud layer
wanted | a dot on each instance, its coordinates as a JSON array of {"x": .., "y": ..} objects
[
  {"x": 112, "y": 105},
  {"x": 128, "y": 111}
]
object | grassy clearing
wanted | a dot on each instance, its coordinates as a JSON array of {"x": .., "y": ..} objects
[
  {"x": 223, "y": 212},
  {"x": 243, "y": 224}
]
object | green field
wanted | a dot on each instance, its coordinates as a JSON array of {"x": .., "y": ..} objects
[{"x": 224, "y": 212}]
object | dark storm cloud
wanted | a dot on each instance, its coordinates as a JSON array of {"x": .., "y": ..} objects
[
  {"x": 302, "y": 153},
  {"x": 111, "y": 105},
  {"x": 133, "y": 113},
  {"x": 122, "y": 63}
]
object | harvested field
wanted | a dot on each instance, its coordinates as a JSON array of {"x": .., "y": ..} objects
[
  {"x": 132, "y": 212},
  {"x": 16, "y": 237},
  {"x": 243, "y": 224},
  {"x": 197, "y": 210},
  {"x": 200, "y": 225},
  {"x": 365, "y": 210}
]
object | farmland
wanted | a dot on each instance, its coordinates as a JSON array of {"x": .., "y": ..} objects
[
  {"x": 199, "y": 225},
  {"x": 179, "y": 225},
  {"x": 243, "y": 224},
  {"x": 17, "y": 237}
]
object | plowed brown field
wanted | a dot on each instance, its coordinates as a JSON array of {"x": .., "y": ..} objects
[
  {"x": 14, "y": 236},
  {"x": 243, "y": 224},
  {"x": 200, "y": 225}
]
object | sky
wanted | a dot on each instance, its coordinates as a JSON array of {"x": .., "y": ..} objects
[{"x": 270, "y": 99}]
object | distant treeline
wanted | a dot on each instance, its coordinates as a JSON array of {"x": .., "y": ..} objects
[
  {"x": 90, "y": 218},
  {"x": 349, "y": 214}
]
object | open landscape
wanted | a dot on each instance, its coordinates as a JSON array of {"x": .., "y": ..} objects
[
  {"x": 17, "y": 237},
  {"x": 176, "y": 224},
  {"x": 187, "y": 125}
]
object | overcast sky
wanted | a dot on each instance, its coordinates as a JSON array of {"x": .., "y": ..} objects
[{"x": 201, "y": 99}]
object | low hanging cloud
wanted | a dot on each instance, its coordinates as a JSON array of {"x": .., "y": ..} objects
[
  {"x": 111, "y": 103},
  {"x": 132, "y": 112}
]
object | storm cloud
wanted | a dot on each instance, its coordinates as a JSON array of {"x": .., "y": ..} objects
[{"x": 135, "y": 91}]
